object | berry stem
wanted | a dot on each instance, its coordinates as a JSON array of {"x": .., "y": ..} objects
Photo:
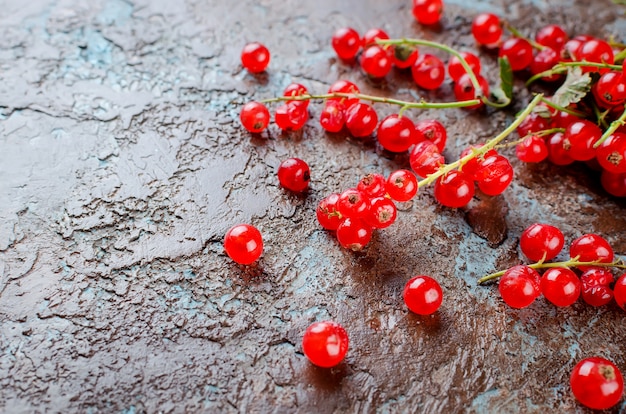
[
  {"x": 612, "y": 128},
  {"x": 563, "y": 109},
  {"x": 542, "y": 133},
  {"x": 519, "y": 34},
  {"x": 619, "y": 263},
  {"x": 482, "y": 150},
  {"x": 404, "y": 104},
  {"x": 448, "y": 49}
]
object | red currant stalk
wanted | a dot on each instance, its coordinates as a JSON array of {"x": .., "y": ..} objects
[
  {"x": 473, "y": 79},
  {"x": 562, "y": 67},
  {"x": 574, "y": 262},
  {"x": 519, "y": 34},
  {"x": 612, "y": 128},
  {"x": 476, "y": 152}
]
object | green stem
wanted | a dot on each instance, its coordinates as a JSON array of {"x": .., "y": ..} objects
[
  {"x": 612, "y": 128},
  {"x": 562, "y": 67},
  {"x": 448, "y": 49},
  {"x": 619, "y": 263},
  {"x": 404, "y": 104},
  {"x": 482, "y": 150},
  {"x": 517, "y": 33},
  {"x": 620, "y": 56},
  {"x": 563, "y": 109},
  {"x": 542, "y": 133}
]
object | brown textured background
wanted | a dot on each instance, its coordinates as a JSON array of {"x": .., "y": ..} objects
[{"x": 122, "y": 164}]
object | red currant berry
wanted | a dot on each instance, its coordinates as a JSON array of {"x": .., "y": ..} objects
[
  {"x": 352, "y": 203},
  {"x": 486, "y": 29},
  {"x": 422, "y": 295},
  {"x": 403, "y": 57},
  {"x": 456, "y": 69},
  {"x": 296, "y": 89},
  {"x": 346, "y": 42},
  {"x": 325, "y": 344},
  {"x": 619, "y": 290},
  {"x": 427, "y": 11},
  {"x": 375, "y": 61},
  {"x": 291, "y": 116},
  {"x": 401, "y": 185},
  {"x": 591, "y": 248},
  {"x": 464, "y": 90},
  {"x": 354, "y": 234},
  {"x": 396, "y": 133},
  {"x": 569, "y": 51},
  {"x": 541, "y": 242},
  {"x": 562, "y": 119},
  {"x": 494, "y": 175},
  {"x": 254, "y": 116},
  {"x": 372, "y": 185},
  {"x": 428, "y": 72},
  {"x": 327, "y": 214},
  {"x": 610, "y": 90},
  {"x": 519, "y": 286},
  {"x": 332, "y": 117},
  {"x": 382, "y": 213},
  {"x": 579, "y": 139},
  {"x": 552, "y": 36},
  {"x": 614, "y": 184},
  {"x": 597, "y": 383},
  {"x": 454, "y": 189},
  {"x": 432, "y": 130},
  {"x": 370, "y": 37},
  {"x": 243, "y": 243},
  {"x": 294, "y": 175},
  {"x": 344, "y": 86},
  {"x": 595, "y": 50},
  {"x": 557, "y": 154},
  {"x": 531, "y": 124},
  {"x": 532, "y": 149},
  {"x": 543, "y": 61},
  {"x": 596, "y": 290},
  {"x": 472, "y": 166},
  {"x": 361, "y": 120},
  {"x": 425, "y": 158},
  {"x": 560, "y": 286},
  {"x": 518, "y": 51},
  {"x": 255, "y": 57},
  {"x": 611, "y": 154}
]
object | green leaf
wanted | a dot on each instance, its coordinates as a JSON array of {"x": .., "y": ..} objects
[
  {"x": 506, "y": 77},
  {"x": 577, "y": 84},
  {"x": 500, "y": 97}
]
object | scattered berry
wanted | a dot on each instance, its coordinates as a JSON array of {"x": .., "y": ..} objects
[
  {"x": 422, "y": 295},
  {"x": 325, "y": 344},
  {"x": 361, "y": 120},
  {"x": 346, "y": 42},
  {"x": 254, "y": 117},
  {"x": 486, "y": 29},
  {"x": 427, "y": 11},
  {"x": 243, "y": 243},
  {"x": 255, "y": 57},
  {"x": 294, "y": 175},
  {"x": 597, "y": 383},
  {"x": 518, "y": 51}
]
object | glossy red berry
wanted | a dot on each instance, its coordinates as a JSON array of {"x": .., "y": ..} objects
[
  {"x": 486, "y": 29},
  {"x": 372, "y": 185},
  {"x": 595, "y": 50},
  {"x": 294, "y": 175},
  {"x": 422, "y": 295},
  {"x": 332, "y": 117},
  {"x": 325, "y": 343},
  {"x": 464, "y": 90},
  {"x": 557, "y": 154},
  {"x": 494, "y": 174},
  {"x": 396, "y": 133},
  {"x": 243, "y": 243},
  {"x": 346, "y": 42},
  {"x": 610, "y": 90},
  {"x": 560, "y": 286},
  {"x": 532, "y": 149},
  {"x": 519, "y": 286},
  {"x": 432, "y": 130},
  {"x": 255, "y": 57},
  {"x": 354, "y": 234},
  {"x": 472, "y": 166},
  {"x": 614, "y": 184},
  {"x": 291, "y": 116},
  {"x": 531, "y": 124},
  {"x": 456, "y": 69},
  {"x": 596, "y": 289},
  {"x": 562, "y": 119},
  {"x": 552, "y": 36},
  {"x": 454, "y": 189},
  {"x": 353, "y": 203},
  {"x": 611, "y": 154},
  {"x": 619, "y": 290},
  {"x": 591, "y": 248},
  {"x": 401, "y": 185},
  {"x": 428, "y": 72},
  {"x": 370, "y": 37},
  {"x": 344, "y": 86},
  {"x": 541, "y": 242},
  {"x": 518, "y": 51},
  {"x": 254, "y": 117},
  {"x": 543, "y": 61},
  {"x": 327, "y": 214},
  {"x": 597, "y": 383},
  {"x": 579, "y": 139},
  {"x": 425, "y": 158},
  {"x": 296, "y": 89},
  {"x": 382, "y": 213},
  {"x": 375, "y": 61},
  {"x": 361, "y": 120},
  {"x": 427, "y": 11}
]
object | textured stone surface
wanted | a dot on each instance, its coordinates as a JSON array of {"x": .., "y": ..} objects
[{"x": 122, "y": 164}]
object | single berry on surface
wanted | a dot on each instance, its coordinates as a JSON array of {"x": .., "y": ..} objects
[
  {"x": 427, "y": 11},
  {"x": 487, "y": 29},
  {"x": 518, "y": 51},
  {"x": 597, "y": 383},
  {"x": 361, "y": 120},
  {"x": 354, "y": 234},
  {"x": 254, "y": 117},
  {"x": 325, "y": 343},
  {"x": 255, "y": 57},
  {"x": 401, "y": 185},
  {"x": 423, "y": 295},
  {"x": 294, "y": 175},
  {"x": 428, "y": 72},
  {"x": 346, "y": 42},
  {"x": 243, "y": 243},
  {"x": 596, "y": 289},
  {"x": 396, "y": 133}
]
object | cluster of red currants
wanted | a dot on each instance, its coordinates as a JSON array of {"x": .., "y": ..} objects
[{"x": 590, "y": 254}]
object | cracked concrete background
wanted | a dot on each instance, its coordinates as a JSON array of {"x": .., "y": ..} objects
[{"x": 122, "y": 164}]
